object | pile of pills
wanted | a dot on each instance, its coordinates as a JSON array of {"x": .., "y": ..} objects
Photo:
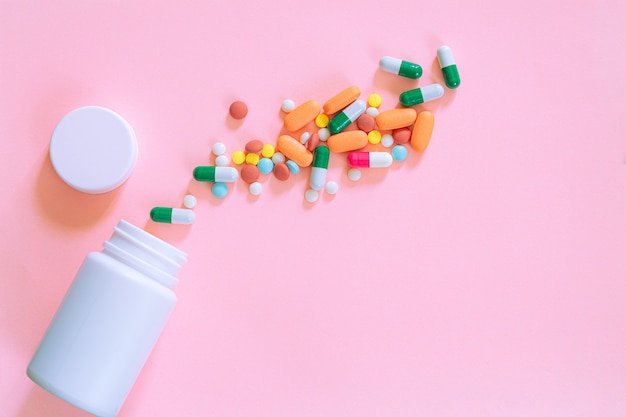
[{"x": 343, "y": 124}]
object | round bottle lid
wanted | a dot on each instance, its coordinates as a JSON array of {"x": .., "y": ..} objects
[{"x": 93, "y": 149}]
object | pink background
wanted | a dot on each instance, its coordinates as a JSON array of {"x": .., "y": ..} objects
[{"x": 483, "y": 278}]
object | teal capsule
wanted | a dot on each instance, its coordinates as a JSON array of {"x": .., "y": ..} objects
[
  {"x": 448, "y": 67},
  {"x": 399, "y": 67}
]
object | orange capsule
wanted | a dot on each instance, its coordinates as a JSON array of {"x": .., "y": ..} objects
[
  {"x": 395, "y": 118},
  {"x": 294, "y": 150},
  {"x": 422, "y": 131},
  {"x": 341, "y": 100},
  {"x": 302, "y": 115},
  {"x": 347, "y": 141}
]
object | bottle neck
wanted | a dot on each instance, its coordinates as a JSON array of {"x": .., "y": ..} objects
[{"x": 142, "y": 251}]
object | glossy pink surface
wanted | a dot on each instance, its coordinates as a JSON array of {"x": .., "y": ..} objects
[{"x": 491, "y": 281}]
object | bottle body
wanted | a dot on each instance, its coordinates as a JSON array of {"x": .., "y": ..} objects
[{"x": 102, "y": 334}]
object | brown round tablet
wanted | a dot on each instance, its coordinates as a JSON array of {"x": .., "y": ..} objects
[
  {"x": 366, "y": 123},
  {"x": 311, "y": 144},
  {"x": 281, "y": 171},
  {"x": 250, "y": 173},
  {"x": 238, "y": 110},
  {"x": 402, "y": 135},
  {"x": 254, "y": 146}
]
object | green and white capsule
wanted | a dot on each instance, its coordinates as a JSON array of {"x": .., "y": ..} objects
[
  {"x": 346, "y": 116},
  {"x": 215, "y": 174},
  {"x": 399, "y": 67},
  {"x": 172, "y": 215},
  {"x": 421, "y": 95},
  {"x": 448, "y": 67},
  {"x": 321, "y": 155}
]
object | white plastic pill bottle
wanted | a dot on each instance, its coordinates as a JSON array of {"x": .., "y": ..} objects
[{"x": 109, "y": 321}]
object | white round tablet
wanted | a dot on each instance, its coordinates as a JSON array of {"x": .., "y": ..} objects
[
  {"x": 189, "y": 201},
  {"x": 93, "y": 149},
  {"x": 219, "y": 148},
  {"x": 354, "y": 174},
  {"x": 311, "y": 195},
  {"x": 332, "y": 187},
  {"x": 256, "y": 188}
]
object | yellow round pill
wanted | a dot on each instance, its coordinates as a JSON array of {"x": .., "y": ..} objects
[
  {"x": 268, "y": 150},
  {"x": 238, "y": 157},
  {"x": 321, "y": 120},
  {"x": 375, "y": 100},
  {"x": 252, "y": 158},
  {"x": 374, "y": 137}
]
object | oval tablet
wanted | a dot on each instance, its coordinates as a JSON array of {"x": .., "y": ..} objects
[
  {"x": 250, "y": 173},
  {"x": 422, "y": 131},
  {"x": 401, "y": 135},
  {"x": 294, "y": 150},
  {"x": 281, "y": 172},
  {"x": 302, "y": 115},
  {"x": 341, "y": 100},
  {"x": 255, "y": 146},
  {"x": 347, "y": 141},
  {"x": 395, "y": 118}
]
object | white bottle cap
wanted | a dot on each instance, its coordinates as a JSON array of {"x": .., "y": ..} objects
[{"x": 93, "y": 149}]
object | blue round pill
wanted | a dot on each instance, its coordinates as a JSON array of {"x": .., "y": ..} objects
[
  {"x": 293, "y": 167},
  {"x": 219, "y": 189},
  {"x": 399, "y": 153},
  {"x": 265, "y": 165}
]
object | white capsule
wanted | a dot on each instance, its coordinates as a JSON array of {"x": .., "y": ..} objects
[
  {"x": 226, "y": 174},
  {"x": 318, "y": 178},
  {"x": 380, "y": 159},
  {"x": 432, "y": 92},
  {"x": 355, "y": 110}
]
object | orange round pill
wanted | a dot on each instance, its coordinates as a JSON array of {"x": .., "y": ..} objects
[
  {"x": 238, "y": 110},
  {"x": 401, "y": 135},
  {"x": 281, "y": 171},
  {"x": 254, "y": 146},
  {"x": 250, "y": 173}
]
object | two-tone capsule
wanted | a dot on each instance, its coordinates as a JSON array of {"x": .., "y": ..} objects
[
  {"x": 421, "y": 95},
  {"x": 215, "y": 174},
  {"x": 448, "y": 67},
  {"x": 346, "y": 116},
  {"x": 370, "y": 159},
  {"x": 172, "y": 215},
  {"x": 399, "y": 67},
  {"x": 321, "y": 155}
]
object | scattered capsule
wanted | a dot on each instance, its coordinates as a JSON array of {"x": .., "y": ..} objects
[
  {"x": 421, "y": 95},
  {"x": 399, "y": 67},
  {"x": 370, "y": 159},
  {"x": 346, "y": 116},
  {"x": 320, "y": 167},
  {"x": 172, "y": 215},
  {"x": 215, "y": 174},
  {"x": 448, "y": 67}
]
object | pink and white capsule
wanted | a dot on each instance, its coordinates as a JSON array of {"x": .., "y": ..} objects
[{"x": 370, "y": 159}]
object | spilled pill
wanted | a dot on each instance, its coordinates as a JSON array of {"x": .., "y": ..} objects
[
  {"x": 399, "y": 67},
  {"x": 346, "y": 116},
  {"x": 448, "y": 67},
  {"x": 369, "y": 159},
  {"x": 302, "y": 115},
  {"x": 421, "y": 95},
  {"x": 422, "y": 131},
  {"x": 341, "y": 100},
  {"x": 215, "y": 174},
  {"x": 172, "y": 215},
  {"x": 294, "y": 150},
  {"x": 347, "y": 141},
  {"x": 395, "y": 118}
]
